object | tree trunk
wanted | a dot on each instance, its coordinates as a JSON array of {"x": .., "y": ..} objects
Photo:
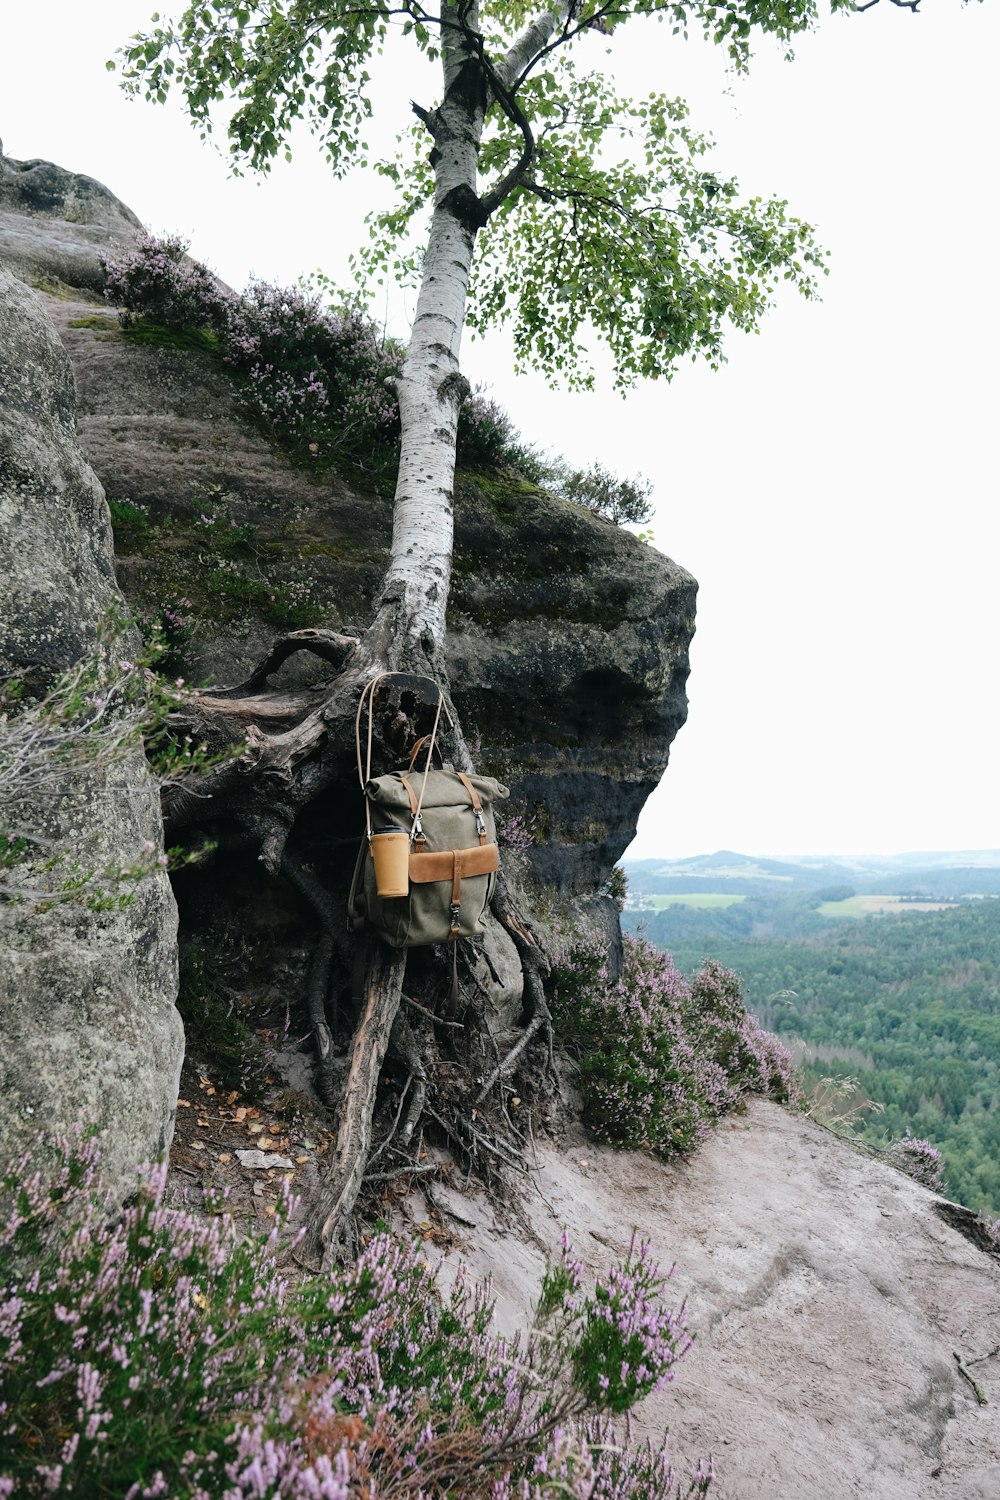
[
  {"x": 409, "y": 628},
  {"x": 431, "y": 388},
  {"x": 297, "y": 747}
]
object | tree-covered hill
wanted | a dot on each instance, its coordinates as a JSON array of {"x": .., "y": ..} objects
[{"x": 909, "y": 1006}]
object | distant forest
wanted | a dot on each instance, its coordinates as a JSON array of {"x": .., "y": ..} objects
[{"x": 907, "y": 1004}]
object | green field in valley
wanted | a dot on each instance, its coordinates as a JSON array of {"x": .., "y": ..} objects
[
  {"x": 691, "y": 898},
  {"x": 863, "y": 906}
]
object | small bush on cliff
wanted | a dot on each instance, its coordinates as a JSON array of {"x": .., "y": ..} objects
[
  {"x": 623, "y": 501},
  {"x": 152, "y": 1353},
  {"x": 156, "y": 279},
  {"x": 316, "y": 377},
  {"x": 488, "y": 439},
  {"x": 920, "y": 1160},
  {"x": 661, "y": 1059}
]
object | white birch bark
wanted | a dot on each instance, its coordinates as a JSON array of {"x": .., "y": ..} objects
[{"x": 430, "y": 389}]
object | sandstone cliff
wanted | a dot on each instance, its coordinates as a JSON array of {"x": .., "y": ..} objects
[
  {"x": 90, "y": 1030},
  {"x": 567, "y": 638}
]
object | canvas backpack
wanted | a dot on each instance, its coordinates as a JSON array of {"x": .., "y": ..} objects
[{"x": 453, "y": 856}]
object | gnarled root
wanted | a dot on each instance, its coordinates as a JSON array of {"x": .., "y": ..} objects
[
  {"x": 535, "y": 968},
  {"x": 384, "y": 972},
  {"x": 299, "y": 747}
]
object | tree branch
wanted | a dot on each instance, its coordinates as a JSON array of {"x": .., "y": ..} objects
[
  {"x": 532, "y": 44},
  {"x": 900, "y": 4}
]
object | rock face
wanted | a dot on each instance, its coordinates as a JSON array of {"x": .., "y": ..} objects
[
  {"x": 53, "y": 222},
  {"x": 827, "y": 1297},
  {"x": 567, "y": 637},
  {"x": 90, "y": 1029}
]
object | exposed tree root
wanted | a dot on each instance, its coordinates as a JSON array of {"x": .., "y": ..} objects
[
  {"x": 383, "y": 983},
  {"x": 320, "y": 1001},
  {"x": 299, "y": 746}
]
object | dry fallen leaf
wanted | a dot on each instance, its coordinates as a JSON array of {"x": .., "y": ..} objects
[
  {"x": 301, "y": 1159},
  {"x": 232, "y": 1098},
  {"x": 204, "y": 1124},
  {"x": 197, "y": 1145},
  {"x": 184, "y": 1103},
  {"x": 274, "y": 1129},
  {"x": 240, "y": 1115},
  {"x": 225, "y": 1156}
]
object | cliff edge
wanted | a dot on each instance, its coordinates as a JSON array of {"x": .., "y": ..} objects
[{"x": 828, "y": 1298}]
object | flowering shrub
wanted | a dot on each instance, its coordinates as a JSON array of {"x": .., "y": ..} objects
[
  {"x": 151, "y": 1353},
  {"x": 919, "y": 1160},
  {"x": 157, "y": 280},
  {"x": 991, "y": 1228},
  {"x": 661, "y": 1058},
  {"x": 488, "y": 439},
  {"x": 629, "y": 1342},
  {"x": 516, "y": 830},
  {"x": 316, "y": 377}
]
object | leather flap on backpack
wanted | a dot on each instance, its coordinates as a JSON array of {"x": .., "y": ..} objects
[{"x": 479, "y": 860}]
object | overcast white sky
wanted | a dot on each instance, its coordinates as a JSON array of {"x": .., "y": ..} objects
[{"x": 833, "y": 488}]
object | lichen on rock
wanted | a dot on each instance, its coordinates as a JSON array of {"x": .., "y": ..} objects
[{"x": 87, "y": 996}]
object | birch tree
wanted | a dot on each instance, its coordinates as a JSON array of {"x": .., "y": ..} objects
[{"x": 578, "y": 216}]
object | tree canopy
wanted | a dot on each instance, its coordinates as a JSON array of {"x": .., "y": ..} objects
[{"x": 597, "y": 215}]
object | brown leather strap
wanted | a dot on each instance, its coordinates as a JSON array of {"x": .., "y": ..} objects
[
  {"x": 473, "y": 794},
  {"x": 416, "y": 749},
  {"x": 456, "y": 886},
  {"x": 479, "y": 860},
  {"x": 476, "y": 805},
  {"x": 409, "y": 792}
]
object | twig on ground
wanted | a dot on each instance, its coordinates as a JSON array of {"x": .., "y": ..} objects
[
  {"x": 507, "y": 1062},
  {"x": 976, "y": 1389},
  {"x": 410, "y": 1170}
]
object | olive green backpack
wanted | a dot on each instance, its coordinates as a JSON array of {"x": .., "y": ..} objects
[{"x": 452, "y": 854}]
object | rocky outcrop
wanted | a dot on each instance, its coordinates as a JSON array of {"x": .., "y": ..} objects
[
  {"x": 54, "y": 222},
  {"x": 90, "y": 1030},
  {"x": 567, "y": 637},
  {"x": 828, "y": 1300}
]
